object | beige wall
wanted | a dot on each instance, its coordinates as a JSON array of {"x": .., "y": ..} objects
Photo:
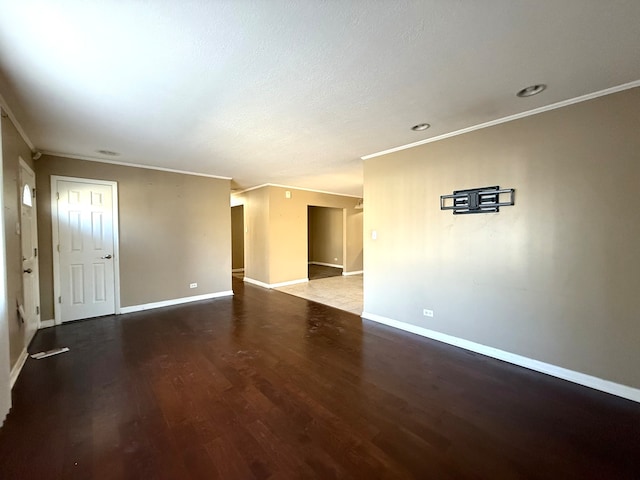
[
  {"x": 174, "y": 230},
  {"x": 237, "y": 237},
  {"x": 5, "y": 363},
  {"x": 276, "y": 241},
  {"x": 325, "y": 235},
  {"x": 256, "y": 240},
  {"x": 553, "y": 278},
  {"x": 13, "y": 147}
]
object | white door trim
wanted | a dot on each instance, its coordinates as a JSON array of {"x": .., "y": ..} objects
[
  {"x": 55, "y": 240},
  {"x": 36, "y": 292}
]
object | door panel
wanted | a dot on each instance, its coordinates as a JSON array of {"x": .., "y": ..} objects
[
  {"x": 29, "y": 245},
  {"x": 86, "y": 247}
]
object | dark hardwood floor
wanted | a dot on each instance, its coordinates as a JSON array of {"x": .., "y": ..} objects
[
  {"x": 267, "y": 385},
  {"x": 316, "y": 272}
]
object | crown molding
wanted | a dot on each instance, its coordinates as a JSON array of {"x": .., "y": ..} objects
[
  {"x": 510, "y": 118},
  {"x": 134, "y": 165},
  {"x": 14, "y": 120},
  {"x": 295, "y": 188}
]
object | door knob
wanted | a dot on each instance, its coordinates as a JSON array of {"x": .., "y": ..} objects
[
  {"x": 108, "y": 256},
  {"x": 28, "y": 270}
]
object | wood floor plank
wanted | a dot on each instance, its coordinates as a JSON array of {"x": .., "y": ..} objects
[
  {"x": 264, "y": 385},
  {"x": 231, "y": 465},
  {"x": 288, "y": 458}
]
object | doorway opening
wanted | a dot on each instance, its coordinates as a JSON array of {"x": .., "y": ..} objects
[
  {"x": 325, "y": 237},
  {"x": 237, "y": 240}
]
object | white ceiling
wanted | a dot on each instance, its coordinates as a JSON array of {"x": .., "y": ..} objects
[{"x": 294, "y": 92}]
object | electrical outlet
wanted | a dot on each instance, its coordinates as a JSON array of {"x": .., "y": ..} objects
[
  {"x": 195, "y": 285},
  {"x": 427, "y": 313}
]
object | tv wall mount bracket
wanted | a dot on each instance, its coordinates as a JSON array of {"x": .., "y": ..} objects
[{"x": 477, "y": 200}]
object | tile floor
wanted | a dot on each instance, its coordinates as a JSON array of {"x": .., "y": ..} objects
[
  {"x": 343, "y": 292},
  {"x": 329, "y": 287}
]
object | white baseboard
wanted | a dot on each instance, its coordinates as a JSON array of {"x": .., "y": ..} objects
[
  {"x": 274, "y": 285},
  {"x": 355, "y": 272},
  {"x": 17, "y": 368},
  {"x": 47, "y": 323},
  {"x": 322, "y": 264},
  {"x": 30, "y": 338},
  {"x": 236, "y": 270},
  {"x": 256, "y": 282},
  {"x": 175, "y": 301},
  {"x": 596, "y": 383}
]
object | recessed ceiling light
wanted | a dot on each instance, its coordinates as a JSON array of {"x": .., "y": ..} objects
[
  {"x": 108, "y": 152},
  {"x": 420, "y": 127},
  {"x": 532, "y": 90}
]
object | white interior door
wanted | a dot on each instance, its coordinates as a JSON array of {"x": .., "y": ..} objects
[
  {"x": 85, "y": 234},
  {"x": 29, "y": 248}
]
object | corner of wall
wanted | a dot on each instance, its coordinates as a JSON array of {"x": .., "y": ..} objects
[{"x": 5, "y": 382}]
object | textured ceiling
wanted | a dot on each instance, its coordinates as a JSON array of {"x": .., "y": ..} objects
[{"x": 294, "y": 92}]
